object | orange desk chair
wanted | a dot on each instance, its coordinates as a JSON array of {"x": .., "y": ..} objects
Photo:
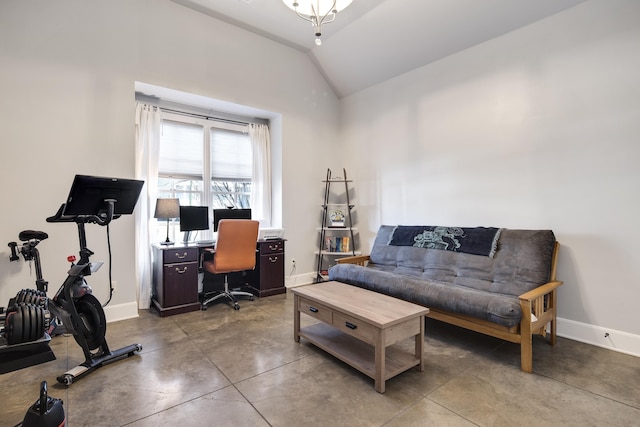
[{"x": 235, "y": 251}]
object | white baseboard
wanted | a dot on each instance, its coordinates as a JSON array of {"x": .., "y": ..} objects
[
  {"x": 113, "y": 313},
  {"x": 622, "y": 342},
  {"x": 299, "y": 280}
]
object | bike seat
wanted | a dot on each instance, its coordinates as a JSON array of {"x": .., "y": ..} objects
[{"x": 27, "y": 235}]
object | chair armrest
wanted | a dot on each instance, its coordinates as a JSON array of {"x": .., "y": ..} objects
[
  {"x": 360, "y": 260},
  {"x": 540, "y": 291},
  {"x": 207, "y": 254}
]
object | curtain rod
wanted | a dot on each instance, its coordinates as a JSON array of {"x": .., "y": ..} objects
[{"x": 202, "y": 116}]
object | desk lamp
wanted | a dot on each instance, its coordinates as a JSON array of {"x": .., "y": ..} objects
[{"x": 167, "y": 209}]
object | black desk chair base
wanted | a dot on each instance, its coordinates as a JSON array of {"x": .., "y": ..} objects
[{"x": 227, "y": 293}]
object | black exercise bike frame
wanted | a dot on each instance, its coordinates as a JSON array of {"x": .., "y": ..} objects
[{"x": 64, "y": 304}]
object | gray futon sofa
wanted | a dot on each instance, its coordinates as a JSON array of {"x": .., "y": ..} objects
[{"x": 500, "y": 282}]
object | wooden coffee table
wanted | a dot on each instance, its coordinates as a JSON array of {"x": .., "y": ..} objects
[{"x": 359, "y": 327}]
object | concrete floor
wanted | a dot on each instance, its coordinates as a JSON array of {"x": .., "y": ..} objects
[{"x": 222, "y": 367}]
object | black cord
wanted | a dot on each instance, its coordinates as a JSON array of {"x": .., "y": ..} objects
[{"x": 110, "y": 281}]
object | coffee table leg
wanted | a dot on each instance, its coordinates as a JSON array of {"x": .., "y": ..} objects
[
  {"x": 420, "y": 345},
  {"x": 296, "y": 318},
  {"x": 380, "y": 351}
]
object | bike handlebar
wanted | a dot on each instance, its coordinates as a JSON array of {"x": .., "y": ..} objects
[{"x": 100, "y": 219}]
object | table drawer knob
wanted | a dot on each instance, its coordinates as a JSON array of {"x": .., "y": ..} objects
[
  {"x": 274, "y": 259},
  {"x": 350, "y": 325},
  {"x": 184, "y": 270},
  {"x": 184, "y": 255},
  {"x": 313, "y": 309}
]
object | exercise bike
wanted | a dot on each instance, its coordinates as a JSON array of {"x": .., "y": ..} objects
[{"x": 92, "y": 200}]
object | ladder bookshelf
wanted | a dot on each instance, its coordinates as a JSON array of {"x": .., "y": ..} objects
[{"x": 336, "y": 227}]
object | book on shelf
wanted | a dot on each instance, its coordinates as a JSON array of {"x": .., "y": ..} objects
[{"x": 337, "y": 243}]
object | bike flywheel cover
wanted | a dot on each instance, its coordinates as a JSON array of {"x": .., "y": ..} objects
[{"x": 92, "y": 325}]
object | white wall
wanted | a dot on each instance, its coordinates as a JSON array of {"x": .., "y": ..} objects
[
  {"x": 538, "y": 128},
  {"x": 67, "y": 106}
]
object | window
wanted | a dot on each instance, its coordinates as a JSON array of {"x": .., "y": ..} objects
[
  {"x": 196, "y": 151},
  {"x": 231, "y": 163}
]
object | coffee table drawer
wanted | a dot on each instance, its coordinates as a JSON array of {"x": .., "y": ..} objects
[
  {"x": 316, "y": 310},
  {"x": 354, "y": 327}
]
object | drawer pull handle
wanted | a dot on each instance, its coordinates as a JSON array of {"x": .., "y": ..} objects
[
  {"x": 181, "y": 271},
  {"x": 350, "y": 325},
  {"x": 273, "y": 248},
  {"x": 313, "y": 309},
  {"x": 184, "y": 255},
  {"x": 274, "y": 259}
]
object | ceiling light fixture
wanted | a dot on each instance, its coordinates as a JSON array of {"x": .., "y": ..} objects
[{"x": 317, "y": 12}]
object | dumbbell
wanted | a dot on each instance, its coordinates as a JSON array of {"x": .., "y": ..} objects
[{"x": 25, "y": 322}]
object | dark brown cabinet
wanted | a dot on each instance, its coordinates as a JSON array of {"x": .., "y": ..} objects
[
  {"x": 268, "y": 277},
  {"x": 175, "y": 279}
]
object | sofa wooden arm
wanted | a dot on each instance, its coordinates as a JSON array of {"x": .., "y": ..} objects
[
  {"x": 359, "y": 260},
  {"x": 538, "y": 310},
  {"x": 541, "y": 290}
]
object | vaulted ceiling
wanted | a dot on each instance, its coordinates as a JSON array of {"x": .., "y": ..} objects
[{"x": 374, "y": 40}]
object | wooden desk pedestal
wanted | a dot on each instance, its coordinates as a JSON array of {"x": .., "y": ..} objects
[{"x": 175, "y": 279}]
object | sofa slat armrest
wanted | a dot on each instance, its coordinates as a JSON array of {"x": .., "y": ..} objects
[
  {"x": 359, "y": 260},
  {"x": 540, "y": 291}
]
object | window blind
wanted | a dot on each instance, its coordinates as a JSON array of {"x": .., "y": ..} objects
[
  {"x": 181, "y": 151},
  {"x": 231, "y": 157}
]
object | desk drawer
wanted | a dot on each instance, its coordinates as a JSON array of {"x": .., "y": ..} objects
[
  {"x": 172, "y": 256},
  {"x": 271, "y": 247},
  {"x": 316, "y": 310},
  {"x": 355, "y": 327}
]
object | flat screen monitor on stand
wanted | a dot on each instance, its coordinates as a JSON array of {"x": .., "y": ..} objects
[
  {"x": 219, "y": 214},
  {"x": 89, "y": 196},
  {"x": 193, "y": 218}
]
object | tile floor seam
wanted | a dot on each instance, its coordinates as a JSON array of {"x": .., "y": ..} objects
[
  {"x": 177, "y": 405},
  {"x": 204, "y": 356},
  {"x": 576, "y": 387},
  {"x": 270, "y": 369},
  {"x": 252, "y": 405},
  {"x": 452, "y": 411},
  {"x": 402, "y": 412}
]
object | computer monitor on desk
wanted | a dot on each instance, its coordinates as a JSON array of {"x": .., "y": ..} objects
[
  {"x": 220, "y": 214},
  {"x": 193, "y": 218}
]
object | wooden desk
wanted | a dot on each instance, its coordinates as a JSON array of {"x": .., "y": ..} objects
[{"x": 176, "y": 268}]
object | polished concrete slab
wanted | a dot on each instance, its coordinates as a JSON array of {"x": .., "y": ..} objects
[{"x": 223, "y": 367}]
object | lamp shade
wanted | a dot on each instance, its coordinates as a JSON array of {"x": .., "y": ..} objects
[
  {"x": 316, "y": 7},
  {"x": 167, "y": 208}
]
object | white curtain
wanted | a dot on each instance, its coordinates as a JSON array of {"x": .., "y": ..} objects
[
  {"x": 148, "y": 131},
  {"x": 261, "y": 173}
]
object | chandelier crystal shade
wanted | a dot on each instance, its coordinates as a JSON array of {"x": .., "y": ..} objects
[{"x": 317, "y": 12}]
